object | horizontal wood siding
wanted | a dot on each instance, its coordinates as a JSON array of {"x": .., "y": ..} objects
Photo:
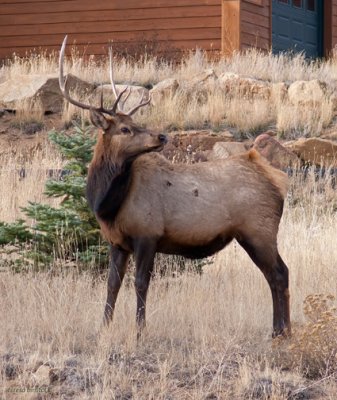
[
  {"x": 255, "y": 25},
  {"x": 31, "y": 24}
]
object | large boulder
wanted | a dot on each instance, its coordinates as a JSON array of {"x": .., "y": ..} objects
[
  {"x": 307, "y": 92},
  {"x": 248, "y": 88},
  {"x": 164, "y": 89},
  {"x": 315, "y": 151},
  {"x": 133, "y": 99},
  {"x": 41, "y": 88},
  {"x": 200, "y": 85},
  {"x": 224, "y": 150},
  {"x": 278, "y": 156},
  {"x": 203, "y": 80},
  {"x": 195, "y": 145}
]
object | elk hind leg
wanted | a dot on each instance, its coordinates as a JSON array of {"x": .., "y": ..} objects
[{"x": 268, "y": 260}]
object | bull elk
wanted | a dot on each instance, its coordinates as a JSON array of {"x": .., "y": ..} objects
[{"x": 144, "y": 205}]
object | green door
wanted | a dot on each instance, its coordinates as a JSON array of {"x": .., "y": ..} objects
[{"x": 297, "y": 26}]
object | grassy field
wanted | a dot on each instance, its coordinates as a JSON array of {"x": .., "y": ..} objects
[{"x": 208, "y": 336}]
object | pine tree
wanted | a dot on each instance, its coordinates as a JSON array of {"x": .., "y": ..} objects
[{"x": 69, "y": 232}]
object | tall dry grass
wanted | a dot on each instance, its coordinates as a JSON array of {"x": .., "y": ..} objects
[
  {"x": 208, "y": 336},
  {"x": 185, "y": 110},
  {"x": 24, "y": 180}
]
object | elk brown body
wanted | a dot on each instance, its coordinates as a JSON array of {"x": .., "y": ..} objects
[{"x": 145, "y": 204}]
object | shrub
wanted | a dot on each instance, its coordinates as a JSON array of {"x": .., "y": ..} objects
[{"x": 69, "y": 232}]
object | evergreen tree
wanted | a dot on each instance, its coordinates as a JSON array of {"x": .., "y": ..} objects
[{"x": 69, "y": 232}]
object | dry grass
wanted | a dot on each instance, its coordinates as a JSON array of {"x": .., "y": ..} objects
[
  {"x": 185, "y": 109},
  {"x": 207, "y": 337},
  {"x": 298, "y": 120},
  {"x": 25, "y": 180}
]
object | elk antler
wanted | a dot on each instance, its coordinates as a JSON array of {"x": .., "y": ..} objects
[
  {"x": 65, "y": 91},
  {"x": 114, "y": 89}
]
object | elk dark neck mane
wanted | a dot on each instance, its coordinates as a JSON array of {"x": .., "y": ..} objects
[{"x": 108, "y": 182}]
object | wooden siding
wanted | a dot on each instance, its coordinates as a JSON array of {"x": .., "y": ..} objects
[
  {"x": 334, "y": 24},
  {"x": 255, "y": 24},
  {"x": 30, "y": 24}
]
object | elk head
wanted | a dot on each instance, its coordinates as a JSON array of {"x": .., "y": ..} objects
[{"x": 120, "y": 137}]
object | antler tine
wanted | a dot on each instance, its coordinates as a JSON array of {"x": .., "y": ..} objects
[
  {"x": 141, "y": 104},
  {"x": 63, "y": 80},
  {"x": 115, "y": 106},
  {"x": 126, "y": 97},
  {"x": 113, "y": 86}
]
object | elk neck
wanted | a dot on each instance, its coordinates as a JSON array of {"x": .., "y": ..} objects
[{"x": 108, "y": 181}]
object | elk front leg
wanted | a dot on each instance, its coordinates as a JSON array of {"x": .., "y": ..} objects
[
  {"x": 145, "y": 251},
  {"x": 118, "y": 264}
]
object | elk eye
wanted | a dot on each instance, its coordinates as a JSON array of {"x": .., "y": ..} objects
[{"x": 125, "y": 130}]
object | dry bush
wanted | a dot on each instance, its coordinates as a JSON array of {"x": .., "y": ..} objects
[
  {"x": 312, "y": 349},
  {"x": 314, "y": 345}
]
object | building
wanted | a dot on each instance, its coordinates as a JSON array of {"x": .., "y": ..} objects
[
  {"x": 214, "y": 25},
  {"x": 299, "y": 25}
]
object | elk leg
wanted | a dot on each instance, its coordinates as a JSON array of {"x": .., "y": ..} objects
[
  {"x": 118, "y": 264},
  {"x": 144, "y": 254},
  {"x": 284, "y": 295},
  {"x": 275, "y": 271}
]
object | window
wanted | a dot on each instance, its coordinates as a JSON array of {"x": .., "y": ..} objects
[
  {"x": 311, "y": 6},
  {"x": 297, "y": 3}
]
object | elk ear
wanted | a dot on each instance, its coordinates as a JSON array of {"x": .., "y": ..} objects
[{"x": 99, "y": 120}]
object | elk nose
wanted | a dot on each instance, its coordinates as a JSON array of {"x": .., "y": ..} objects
[{"x": 162, "y": 138}]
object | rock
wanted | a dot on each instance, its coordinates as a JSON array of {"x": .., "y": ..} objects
[
  {"x": 200, "y": 85},
  {"x": 316, "y": 151},
  {"x": 330, "y": 135},
  {"x": 307, "y": 92},
  {"x": 131, "y": 101},
  {"x": 164, "y": 89},
  {"x": 224, "y": 150},
  {"x": 193, "y": 144},
  {"x": 41, "y": 88},
  {"x": 249, "y": 88},
  {"x": 278, "y": 156},
  {"x": 10, "y": 371},
  {"x": 204, "y": 80},
  {"x": 70, "y": 381}
]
